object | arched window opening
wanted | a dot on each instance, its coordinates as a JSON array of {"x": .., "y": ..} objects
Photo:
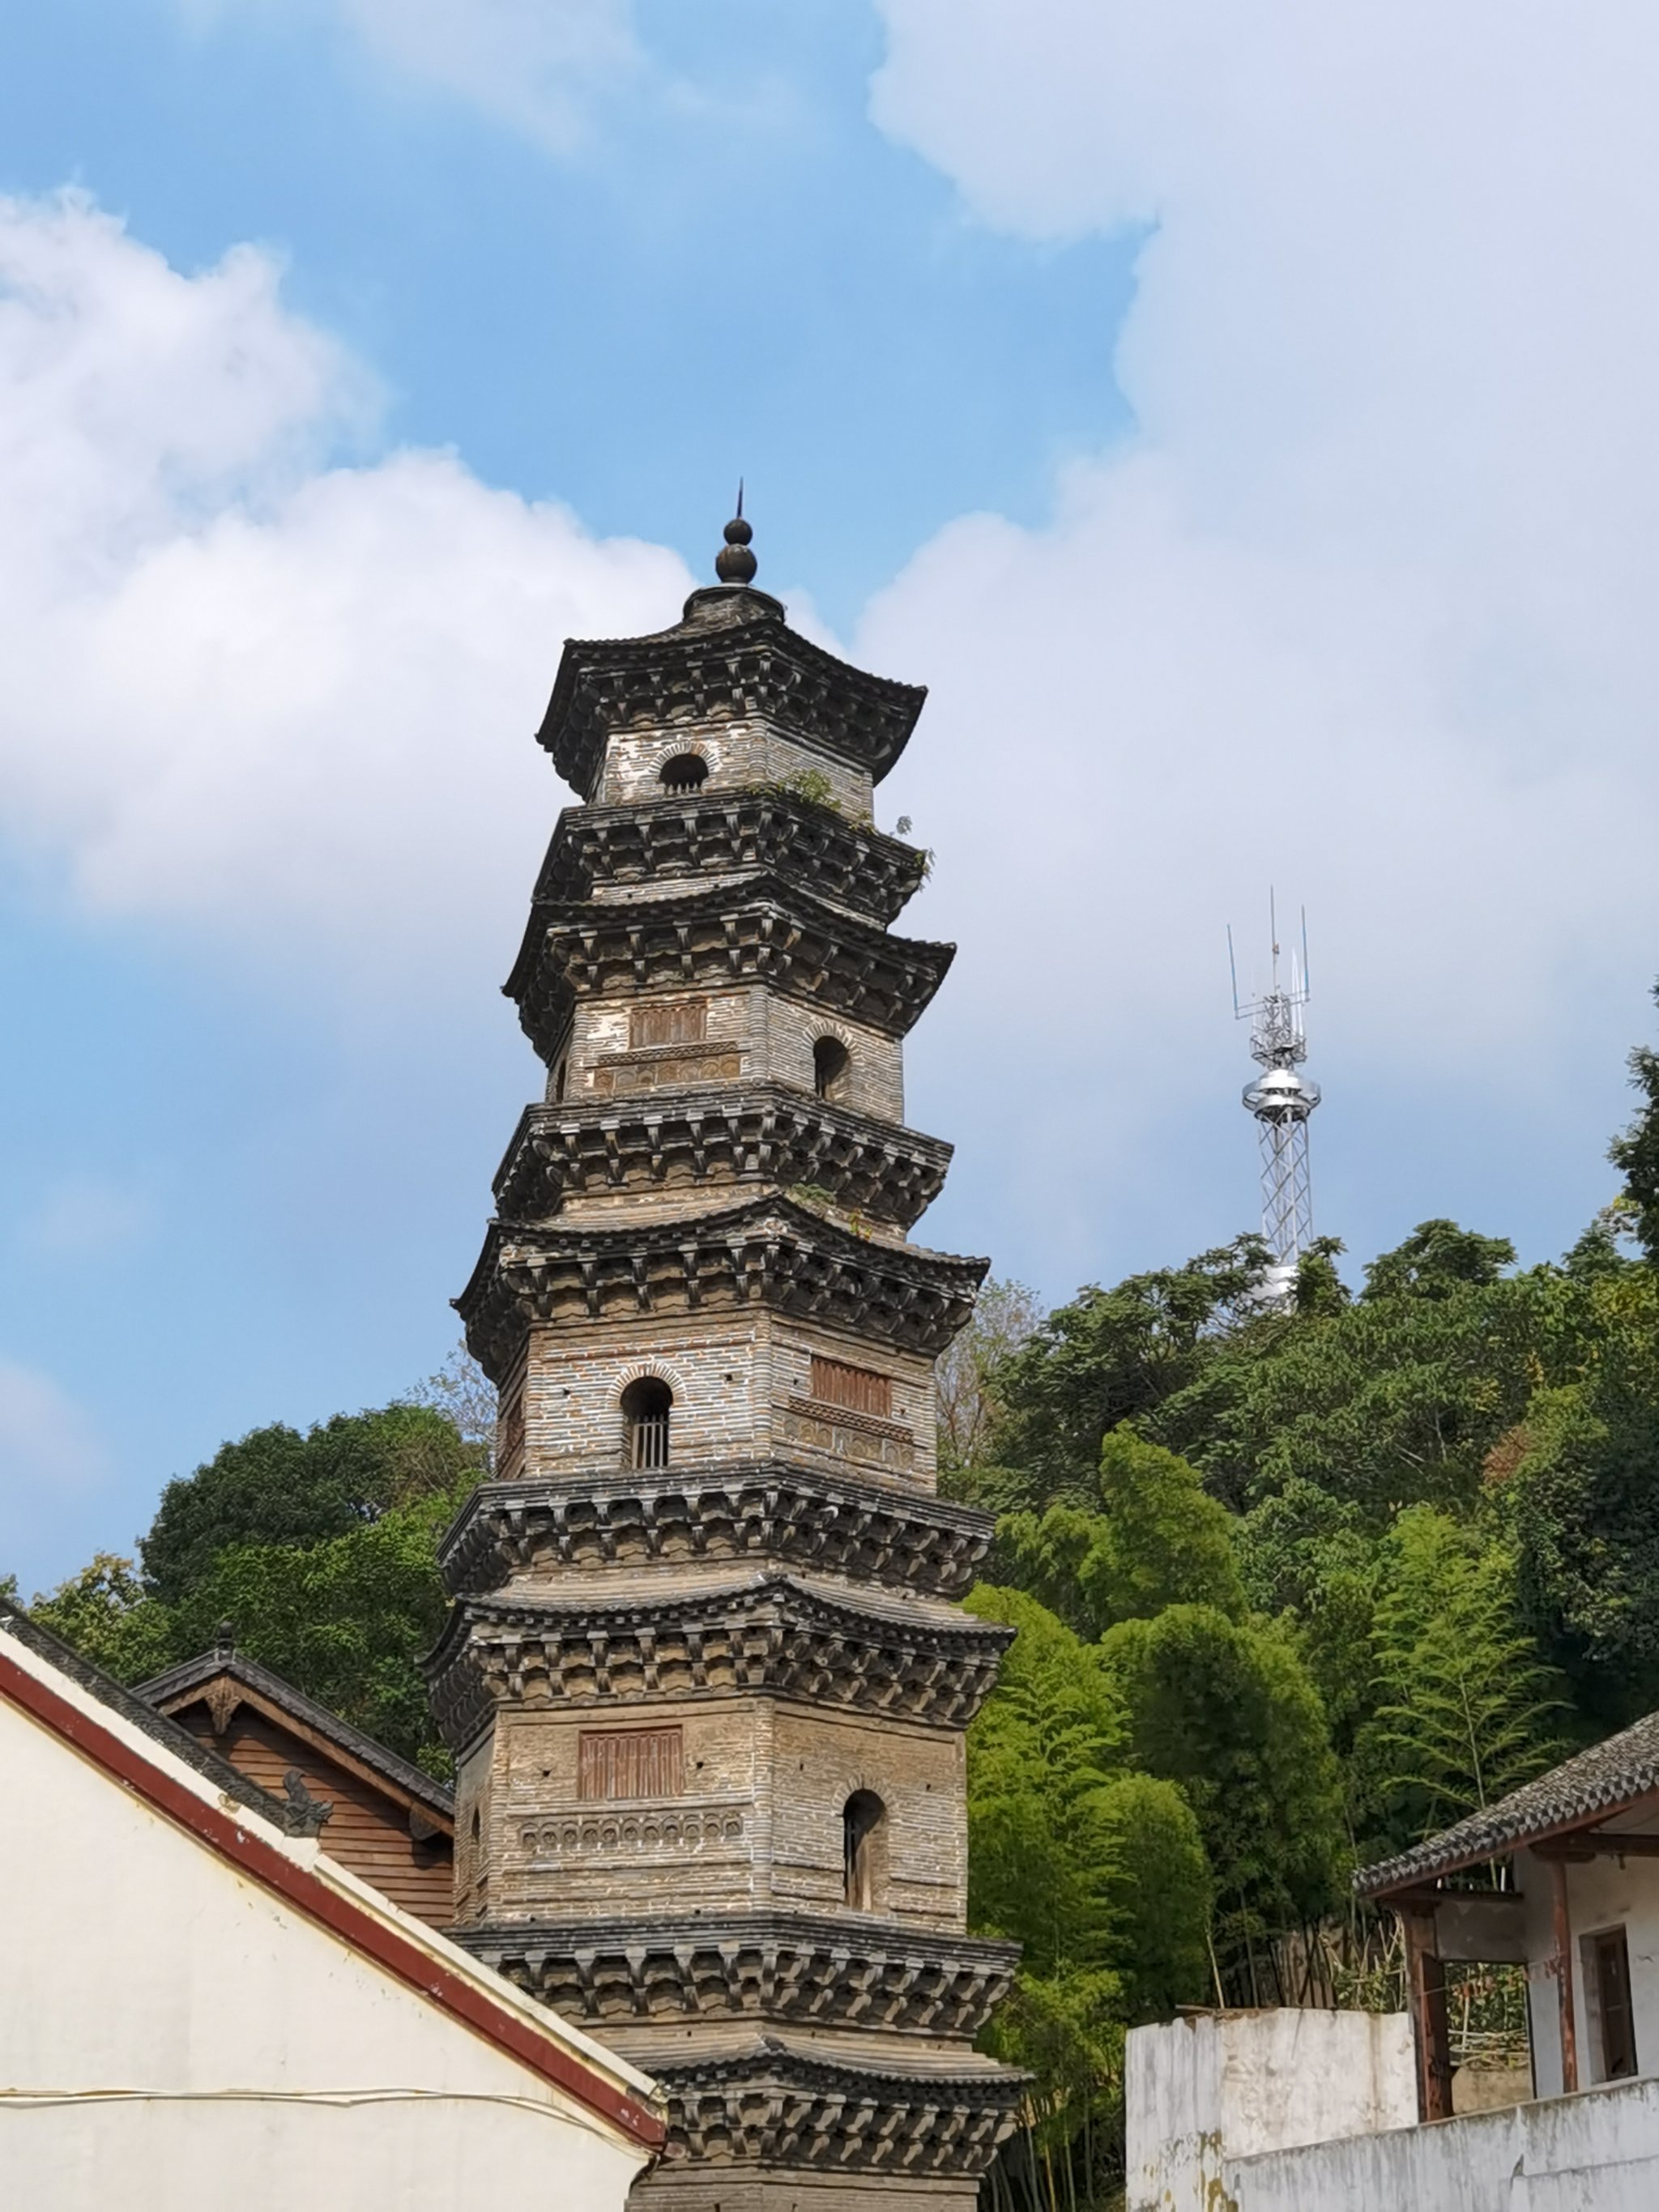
[
  {"x": 861, "y": 1816},
  {"x": 830, "y": 1063},
  {"x": 645, "y": 1406},
  {"x": 685, "y": 772},
  {"x": 558, "y": 1082}
]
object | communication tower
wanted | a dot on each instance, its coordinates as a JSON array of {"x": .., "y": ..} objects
[{"x": 1282, "y": 1100}]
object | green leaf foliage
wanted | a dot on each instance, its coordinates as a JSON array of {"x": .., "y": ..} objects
[
  {"x": 1467, "y": 1712},
  {"x": 1224, "y": 1709},
  {"x": 276, "y": 1486},
  {"x": 1149, "y": 1538}
]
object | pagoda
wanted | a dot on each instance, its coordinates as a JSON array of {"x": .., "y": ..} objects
[{"x": 704, "y": 1679}]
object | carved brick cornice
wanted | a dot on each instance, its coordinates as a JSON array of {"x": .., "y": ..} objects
[
  {"x": 758, "y": 1133},
  {"x": 772, "y": 1636},
  {"x": 762, "y": 930},
  {"x": 667, "y": 842},
  {"x": 784, "y": 1968},
  {"x": 768, "y": 1251},
  {"x": 782, "y": 2107},
  {"x": 734, "y": 657},
  {"x": 759, "y": 1512}
]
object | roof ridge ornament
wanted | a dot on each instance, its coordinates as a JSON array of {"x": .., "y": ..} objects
[{"x": 734, "y": 563}]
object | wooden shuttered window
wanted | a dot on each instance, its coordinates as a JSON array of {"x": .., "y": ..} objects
[
  {"x": 685, "y": 1021},
  {"x": 630, "y": 1762},
  {"x": 835, "y": 1383}
]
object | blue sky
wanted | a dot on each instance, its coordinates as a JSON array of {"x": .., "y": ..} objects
[{"x": 1100, "y": 368}]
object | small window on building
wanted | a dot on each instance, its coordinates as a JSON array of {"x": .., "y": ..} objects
[
  {"x": 630, "y": 1762},
  {"x": 685, "y": 772},
  {"x": 831, "y": 1062},
  {"x": 558, "y": 1082},
  {"x": 1611, "y": 1956},
  {"x": 645, "y": 1407},
  {"x": 681, "y": 1021},
  {"x": 836, "y": 1383},
  {"x": 861, "y": 1816}
]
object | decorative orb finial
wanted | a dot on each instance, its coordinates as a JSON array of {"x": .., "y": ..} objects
[{"x": 734, "y": 563}]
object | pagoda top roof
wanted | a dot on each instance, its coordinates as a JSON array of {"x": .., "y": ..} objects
[{"x": 731, "y": 654}]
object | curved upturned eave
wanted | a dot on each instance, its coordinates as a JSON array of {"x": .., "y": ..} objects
[{"x": 575, "y": 726}]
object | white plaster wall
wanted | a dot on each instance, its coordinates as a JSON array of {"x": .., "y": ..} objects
[
  {"x": 221, "y": 2032},
  {"x": 1596, "y": 2152},
  {"x": 1218, "y": 2086},
  {"x": 1600, "y": 1895}
]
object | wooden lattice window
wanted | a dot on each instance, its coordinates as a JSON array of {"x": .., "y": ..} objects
[
  {"x": 630, "y": 1762},
  {"x": 685, "y": 1021},
  {"x": 835, "y": 1383}
]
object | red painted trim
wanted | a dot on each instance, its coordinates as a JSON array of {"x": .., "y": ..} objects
[{"x": 389, "y": 1948}]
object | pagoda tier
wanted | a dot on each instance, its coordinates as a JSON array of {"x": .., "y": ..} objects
[
  {"x": 772, "y": 1969},
  {"x": 758, "y": 1512},
  {"x": 617, "y": 851},
  {"x": 758, "y": 929},
  {"x": 731, "y": 658},
  {"x": 697, "y": 1139},
  {"x": 779, "y": 1636},
  {"x": 771, "y": 1251},
  {"x": 753, "y": 2128}
]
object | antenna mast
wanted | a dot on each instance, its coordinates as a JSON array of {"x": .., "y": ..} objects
[{"x": 1281, "y": 1102}]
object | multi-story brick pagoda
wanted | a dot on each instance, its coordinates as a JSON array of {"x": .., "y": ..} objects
[{"x": 704, "y": 1682}]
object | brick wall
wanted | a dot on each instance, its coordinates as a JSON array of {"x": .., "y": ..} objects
[
  {"x": 758, "y": 1819},
  {"x": 737, "y": 754},
  {"x": 742, "y": 1385}
]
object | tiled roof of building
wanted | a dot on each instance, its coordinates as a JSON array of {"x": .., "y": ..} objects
[
  {"x": 135, "y": 1708},
  {"x": 1598, "y": 1782},
  {"x": 170, "y": 1690}
]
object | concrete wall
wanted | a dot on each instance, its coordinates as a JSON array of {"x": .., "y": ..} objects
[
  {"x": 1208, "y": 2090},
  {"x": 1596, "y": 2152},
  {"x": 173, "y": 2034}
]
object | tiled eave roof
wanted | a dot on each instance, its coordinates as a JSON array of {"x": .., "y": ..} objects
[
  {"x": 171, "y": 1690},
  {"x": 136, "y": 1709},
  {"x": 745, "y": 661},
  {"x": 756, "y": 928},
  {"x": 1594, "y": 1786},
  {"x": 769, "y": 1250},
  {"x": 679, "y": 839}
]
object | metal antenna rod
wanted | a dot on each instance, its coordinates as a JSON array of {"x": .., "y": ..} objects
[{"x": 1281, "y": 1101}]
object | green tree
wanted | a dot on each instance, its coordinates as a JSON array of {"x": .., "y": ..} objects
[
  {"x": 1576, "y": 1499},
  {"x": 1098, "y": 1873},
  {"x": 1225, "y": 1710},
  {"x": 1111, "y": 1356},
  {"x": 105, "y": 1614},
  {"x": 1636, "y": 1152},
  {"x": 347, "y": 1619},
  {"x": 1467, "y": 1712},
  {"x": 1149, "y": 1538},
  {"x": 275, "y": 1485},
  {"x": 1004, "y": 1314}
]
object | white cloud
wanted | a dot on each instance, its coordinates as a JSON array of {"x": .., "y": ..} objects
[
  {"x": 246, "y": 688},
  {"x": 46, "y": 1443},
  {"x": 1365, "y": 605},
  {"x": 537, "y": 65}
]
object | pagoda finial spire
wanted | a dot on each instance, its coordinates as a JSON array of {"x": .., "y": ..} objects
[{"x": 734, "y": 563}]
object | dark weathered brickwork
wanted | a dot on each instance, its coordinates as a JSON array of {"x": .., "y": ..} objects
[{"x": 704, "y": 1679}]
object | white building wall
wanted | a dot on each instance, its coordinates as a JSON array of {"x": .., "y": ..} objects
[
  {"x": 173, "y": 2034},
  {"x": 1218, "y": 2086},
  {"x": 1596, "y": 2152},
  {"x": 1601, "y": 1894}
]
